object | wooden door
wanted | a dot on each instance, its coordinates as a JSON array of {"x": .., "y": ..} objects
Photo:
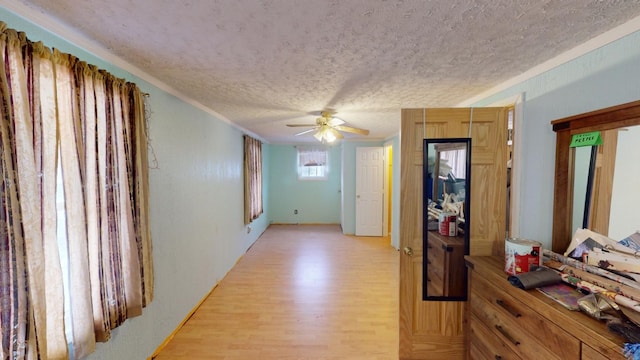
[
  {"x": 436, "y": 329},
  {"x": 369, "y": 190},
  {"x": 603, "y": 182}
]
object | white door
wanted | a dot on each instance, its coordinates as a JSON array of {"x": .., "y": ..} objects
[{"x": 369, "y": 190}]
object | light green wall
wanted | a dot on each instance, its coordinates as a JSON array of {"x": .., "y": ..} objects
[
  {"x": 196, "y": 200},
  {"x": 317, "y": 201},
  {"x": 604, "y": 77},
  {"x": 323, "y": 201}
]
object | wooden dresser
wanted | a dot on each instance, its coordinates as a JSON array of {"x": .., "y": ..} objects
[
  {"x": 445, "y": 265},
  {"x": 505, "y": 322}
]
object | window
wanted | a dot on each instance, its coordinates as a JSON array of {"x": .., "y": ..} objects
[
  {"x": 457, "y": 161},
  {"x": 313, "y": 163}
]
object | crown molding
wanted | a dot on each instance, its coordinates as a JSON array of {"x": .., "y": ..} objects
[
  {"x": 597, "y": 42},
  {"x": 75, "y": 38}
]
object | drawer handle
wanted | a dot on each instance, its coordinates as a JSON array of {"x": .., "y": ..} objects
[
  {"x": 509, "y": 309},
  {"x": 506, "y": 335},
  {"x": 498, "y": 357}
]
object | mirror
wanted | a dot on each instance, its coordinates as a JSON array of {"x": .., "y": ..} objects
[
  {"x": 613, "y": 199},
  {"x": 617, "y": 222},
  {"x": 446, "y": 189}
]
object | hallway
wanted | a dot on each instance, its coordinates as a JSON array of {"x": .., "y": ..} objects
[{"x": 300, "y": 292}]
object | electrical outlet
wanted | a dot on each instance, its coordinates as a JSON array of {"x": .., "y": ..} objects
[{"x": 295, "y": 212}]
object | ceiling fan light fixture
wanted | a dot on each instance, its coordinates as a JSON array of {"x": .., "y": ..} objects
[
  {"x": 325, "y": 134},
  {"x": 329, "y": 128},
  {"x": 319, "y": 135},
  {"x": 329, "y": 136}
]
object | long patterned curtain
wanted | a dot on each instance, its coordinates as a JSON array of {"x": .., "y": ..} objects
[
  {"x": 15, "y": 314},
  {"x": 74, "y": 224},
  {"x": 45, "y": 128},
  {"x": 252, "y": 179}
]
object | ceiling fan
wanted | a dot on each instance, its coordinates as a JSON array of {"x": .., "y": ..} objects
[{"x": 327, "y": 128}]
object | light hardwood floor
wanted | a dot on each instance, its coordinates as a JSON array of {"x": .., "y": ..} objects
[{"x": 300, "y": 292}]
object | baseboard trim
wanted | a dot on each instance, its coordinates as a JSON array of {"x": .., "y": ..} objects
[
  {"x": 190, "y": 314},
  {"x": 182, "y": 323}
]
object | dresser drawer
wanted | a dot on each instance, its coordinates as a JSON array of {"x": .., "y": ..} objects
[
  {"x": 435, "y": 285},
  {"x": 445, "y": 265},
  {"x": 434, "y": 266},
  {"x": 530, "y": 324},
  {"x": 486, "y": 345},
  {"x": 526, "y": 332},
  {"x": 436, "y": 257},
  {"x": 589, "y": 353}
]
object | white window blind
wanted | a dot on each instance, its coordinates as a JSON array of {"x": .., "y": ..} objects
[{"x": 313, "y": 163}]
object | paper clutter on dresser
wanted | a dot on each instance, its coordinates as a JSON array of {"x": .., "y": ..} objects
[{"x": 598, "y": 276}]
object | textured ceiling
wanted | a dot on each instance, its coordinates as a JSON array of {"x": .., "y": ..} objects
[{"x": 264, "y": 63}]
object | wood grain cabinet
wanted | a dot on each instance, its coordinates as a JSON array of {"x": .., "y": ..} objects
[
  {"x": 445, "y": 265},
  {"x": 505, "y": 322}
]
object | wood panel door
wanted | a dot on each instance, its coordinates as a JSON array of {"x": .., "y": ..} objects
[
  {"x": 603, "y": 182},
  {"x": 436, "y": 329}
]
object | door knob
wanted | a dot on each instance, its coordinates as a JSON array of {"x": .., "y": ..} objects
[{"x": 408, "y": 251}]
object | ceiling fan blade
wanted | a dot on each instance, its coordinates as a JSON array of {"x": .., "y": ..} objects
[
  {"x": 300, "y": 125},
  {"x": 350, "y": 129},
  {"x": 336, "y": 133},
  {"x": 306, "y": 131},
  {"x": 334, "y": 121}
]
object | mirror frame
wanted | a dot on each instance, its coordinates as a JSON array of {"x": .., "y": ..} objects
[
  {"x": 467, "y": 212},
  {"x": 610, "y": 118}
]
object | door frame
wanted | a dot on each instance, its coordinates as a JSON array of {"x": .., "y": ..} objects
[
  {"x": 387, "y": 193},
  {"x": 517, "y": 101}
]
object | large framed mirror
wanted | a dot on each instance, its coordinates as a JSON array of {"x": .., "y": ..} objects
[
  {"x": 446, "y": 217},
  {"x": 595, "y": 187},
  {"x": 603, "y": 185}
]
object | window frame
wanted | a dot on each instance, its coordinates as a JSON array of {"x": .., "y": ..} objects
[{"x": 310, "y": 158}]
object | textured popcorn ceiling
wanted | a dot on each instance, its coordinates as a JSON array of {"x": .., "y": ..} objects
[{"x": 264, "y": 63}]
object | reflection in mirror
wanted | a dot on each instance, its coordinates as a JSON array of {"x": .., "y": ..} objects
[
  {"x": 447, "y": 174},
  {"x": 618, "y": 192},
  {"x": 584, "y": 163},
  {"x": 625, "y": 195}
]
